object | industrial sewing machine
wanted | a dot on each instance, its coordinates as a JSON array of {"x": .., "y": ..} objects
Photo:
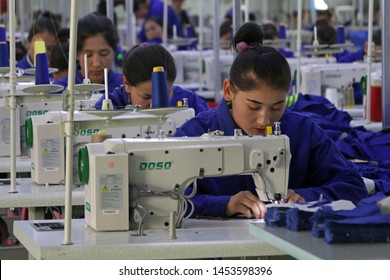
[
  {"x": 47, "y": 144},
  {"x": 27, "y": 108},
  {"x": 317, "y": 78},
  {"x": 227, "y": 61},
  {"x": 140, "y": 183}
]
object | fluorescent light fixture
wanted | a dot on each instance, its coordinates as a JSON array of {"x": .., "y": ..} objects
[{"x": 320, "y": 5}]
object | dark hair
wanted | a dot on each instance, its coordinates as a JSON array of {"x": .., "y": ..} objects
[
  {"x": 60, "y": 56},
  {"x": 226, "y": 27},
  {"x": 249, "y": 32},
  {"x": 377, "y": 37},
  {"x": 137, "y": 4},
  {"x": 258, "y": 65},
  {"x": 140, "y": 60},
  {"x": 270, "y": 31},
  {"x": 42, "y": 24},
  {"x": 160, "y": 22},
  {"x": 96, "y": 24},
  {"x": 326, "y": 34},
  {"x": 63, "y": 34},
  {"x": 156, "y": 19}
]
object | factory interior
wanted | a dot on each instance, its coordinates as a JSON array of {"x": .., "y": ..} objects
[{"x": 179, "y": 139}]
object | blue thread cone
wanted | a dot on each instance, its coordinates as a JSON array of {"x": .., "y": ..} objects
[
  {"x": 160, "y": 95},
  {"x": 4, "y": 54},
  {"x": 42, "y": 69},
  {"x": 282, "y": 32},
  {"x": 3, "y": 36},
  {"x": 190, "y": 32},
  {"x": 340, "y": 39}
]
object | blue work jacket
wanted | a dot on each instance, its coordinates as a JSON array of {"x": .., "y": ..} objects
[
  {"x": 120, "y": 99},
  {"x": 317, "y": 167}
]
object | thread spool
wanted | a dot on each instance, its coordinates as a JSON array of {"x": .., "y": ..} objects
[
  {"x": 100, "y": 137},
  {"x": 331, "y": 95},
  {"x": 350, "y": 98},
  {"x": 160, "y": 94},
  {"x": 4, "y": 54},
  {"x": 3, "y": 37},
  {"x": 41, "y": 63},
  {"x": 340, "y": 38},
  {"x": 282, "y": 31},
  {"x": 4, "y": 49},
  {"x": 376, "y": 103}
]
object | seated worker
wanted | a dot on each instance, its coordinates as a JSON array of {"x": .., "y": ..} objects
[
  {"x": 254, "y": 98},
  {"x": 154, "y": 30},
  {"x": 271, "y": 33},
  {"x": 326, "y": 34},
  {"x": 96, "y": 38},
  {"x": 137, "y": 78},
  {"x": 188, "y": 27},
  {"x": 4, "y": 233},
  {"x": 144, "y": 9},
  {"x": 359, "y": 55},
  {"x": 60, "y": 55},
  {"x": 45, "y": 29},
  {"x": 60, "y": 60},
  {"x": 225, "y": 34}
]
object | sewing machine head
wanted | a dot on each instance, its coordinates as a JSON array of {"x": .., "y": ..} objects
[
  {"x": 143, "y": 180},
  {"x": 316, "y": 78},
  {"x": 47, "y": 144}
]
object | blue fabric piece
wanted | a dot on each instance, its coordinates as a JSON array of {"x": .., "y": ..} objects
[
  {"x": 276, "y": 216},
  {"x": 317, "y": 167},
  {"x": 348, "y": 57},
  {"x": 298, "y": 220},
  {"x": 365, "y": 208},
  {"x": 366, "y": 145},
  {"x": 120, "y": 99},
  {"x": 358, "y": 230},
  {"x": 114, "y": 80},
  {"x": 156, "y": 9},
  {"x": 24, "y": 63},
  {"x": 358, "y": 37},
  {"x": 287, "y": 53},
  {"x": 323, "y": 113}
]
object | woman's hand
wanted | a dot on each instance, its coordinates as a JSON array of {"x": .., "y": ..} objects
[
  {"x": 247, "y": 204},
  {"x": 293, "y": 197}
]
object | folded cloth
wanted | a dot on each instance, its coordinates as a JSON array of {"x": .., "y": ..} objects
[
  {"x": 299, "y": 218},
  {"x": 276, "y": 216},
  {"x": 365, "y": 208},
  {"x": 358, "y": 230},
  {"x": 296, "y": 216}
]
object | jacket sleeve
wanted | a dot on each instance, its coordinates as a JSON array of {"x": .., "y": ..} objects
[{"x": 328, "y": 173}]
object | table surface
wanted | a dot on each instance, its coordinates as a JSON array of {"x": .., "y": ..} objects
[
  {"x": 303, "y": 245},
  {"x": 30, "y": 194},
  {"x": 23, "y": 164},
  {"x": 197, "y": 239}
]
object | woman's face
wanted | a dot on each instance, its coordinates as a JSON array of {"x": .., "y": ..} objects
[
  {"x": 153, "y": 30},
  {"x": 50, "y": 42},
  {"x": 141, "y": 94},
  {"x": 256, "y": 109},
  {"x": 100, "y": 55}
]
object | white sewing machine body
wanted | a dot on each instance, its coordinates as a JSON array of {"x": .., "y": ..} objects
[
  {"x": 316, "y": 78},
  {"x": 47, "y": 143},
  {"x": 5, "y": 120},
  {"x": 5, "y": 130},
  {"x": 139, "y": 183},
  {"x": 26, "y": 110}
]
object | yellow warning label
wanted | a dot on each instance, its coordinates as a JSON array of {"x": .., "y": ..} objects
[
  {"x": 45, "y": 151},
  {"x": 105, "y": 189}
]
